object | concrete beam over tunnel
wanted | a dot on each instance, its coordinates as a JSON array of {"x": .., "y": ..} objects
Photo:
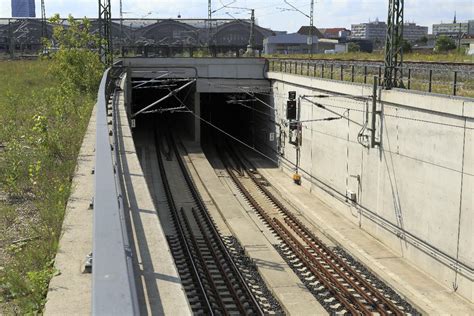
[
  {"x": 219, "y": 75},
  {"x": 211, "y": 75}
]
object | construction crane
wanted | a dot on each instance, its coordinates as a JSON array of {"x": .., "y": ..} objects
[
  {"x": 105, "y": 32},
  {"x": 393, "y": 76}
]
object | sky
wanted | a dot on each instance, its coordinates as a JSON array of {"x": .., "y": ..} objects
[{"x": 274, "y": 14}]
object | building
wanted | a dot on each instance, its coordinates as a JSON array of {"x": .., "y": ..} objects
[
  {"x": 470, "y": 27},
  {"x": 306, "y": 30},
  {"x": 23, "y": 9},
  {"x": 450, "y": 29},
  {"x": 377, "y": 31},
  {"x": 413, "y": 32},
  {"x": 336, "y": 33},
  {"x": 374, "y": 31},
  {"x": 285, "y": 44}
]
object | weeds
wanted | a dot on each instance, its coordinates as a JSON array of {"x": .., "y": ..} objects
[
  {"x": 452, "y": 56},
  {"x": 44, "y": 111}
]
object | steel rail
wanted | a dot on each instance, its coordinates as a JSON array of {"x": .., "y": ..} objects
[
  {"x": 330, "y": 258},
  {"x": 113, "y": 285},
  {"x": 296, "y": 247},
  {"x": 204, "y": 265},
  {"x": 214, "y": 234},
  {"x": 202, "y": 207},
  {"x": 325, "y": 254},
  {"x": 179, "y": 226},
  {"x": 218, "y": 263}
]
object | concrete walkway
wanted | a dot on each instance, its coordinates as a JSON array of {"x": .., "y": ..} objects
[
  {"x": 427, "y": 295},
  {"x": 287, "y": 288},
  {"x": 160, "y": 291},
  {"x": 70, "y": 291}
]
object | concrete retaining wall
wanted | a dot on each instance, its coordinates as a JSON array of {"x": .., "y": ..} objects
[{"x": 415, "y": 191}]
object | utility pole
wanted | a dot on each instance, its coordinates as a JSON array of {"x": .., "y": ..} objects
[
  {"x": 121, "y": 21},
  {"x": 394, "y": 45},
  {"x": 44, "y": 26},
  {"x": 311, "y": 25},
  {"x": 209, "y": 22},
  {"x": 105, "y": 33},
  {"x": 251, "y": 46},
  {"x": 12, "y": 39}
]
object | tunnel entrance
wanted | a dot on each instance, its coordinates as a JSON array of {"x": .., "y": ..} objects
[
  {"x": 208, "y": 117},
  {"x": 247, "y": 118}
]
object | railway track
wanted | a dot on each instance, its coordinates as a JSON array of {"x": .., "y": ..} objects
[
  {"x": 339, "y": 284},
  {"x": 216, "y": 279}
]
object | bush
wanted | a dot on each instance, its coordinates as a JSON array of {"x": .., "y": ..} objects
[
  {"x": 444, "y": 44},
  {"x": 406, "y": 47},
  {"x": 353, "y": 47},
  {"x": 45, "y": 107}
]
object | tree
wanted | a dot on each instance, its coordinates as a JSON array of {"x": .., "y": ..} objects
[
  {"x": 423, "y": 40},
  {"x": 444, "y": 44},
  {"x": 406, "y": 46},
  {"x": 353, "y": 47},
  {"x": 74, "y": 50}
]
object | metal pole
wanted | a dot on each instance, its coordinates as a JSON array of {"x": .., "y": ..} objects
[
  {"x": 409, "y": 78},
  {"x": 12, "y": 39},
  {"x": 251, "y": 46},
  {"x": 121, "y": 26},
  {"x": 374, "y": 111},
  {"x": 430, "y": 86},
  {"x": 455, "y": 83},
  {"x": 311, "y": 24},
  {"x": 44, "y": 30}
]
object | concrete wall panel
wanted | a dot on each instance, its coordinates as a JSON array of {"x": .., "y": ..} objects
[{"x": 413, "y": 180}]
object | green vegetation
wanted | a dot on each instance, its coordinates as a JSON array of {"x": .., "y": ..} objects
[
  {"x": 444, "y": 44},
  {"x": 406, "y": 47},
  {"x": 442, "y": 81},
  {"x": 353, "y": 47},
  {"x": 45, "y": 107},
  {"x": 451, "y": 56}
]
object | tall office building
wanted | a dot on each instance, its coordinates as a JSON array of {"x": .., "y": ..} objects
[
  {"x": 23, "y": 9},
  {"x": 374, "y": 31}
]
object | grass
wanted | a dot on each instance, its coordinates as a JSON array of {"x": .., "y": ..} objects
[
  {"x": 442, "y": 80},
  {"x": 42, "y": 123},
  {"x": 453, "y": 56}
]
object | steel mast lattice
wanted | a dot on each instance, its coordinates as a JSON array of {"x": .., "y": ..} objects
[
  {"x": 394, "y": 45},
  {"x": 105, "y": 32},
  {"x": 44, "y": 26}
]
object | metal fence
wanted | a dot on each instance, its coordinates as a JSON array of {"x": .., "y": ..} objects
[
  {"x": 113, "y": 281},
  {"x": 444, "y": 78}
]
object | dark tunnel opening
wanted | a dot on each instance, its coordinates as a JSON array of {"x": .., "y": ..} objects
[{"x": 248, "y": 118}]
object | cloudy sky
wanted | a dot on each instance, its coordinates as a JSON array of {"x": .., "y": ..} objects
[{"x": 274, "y": 14}]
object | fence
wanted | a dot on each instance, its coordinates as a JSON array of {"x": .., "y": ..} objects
[
  {"x": 113, "y": 281},
  {"x": 452, "y": 79}
]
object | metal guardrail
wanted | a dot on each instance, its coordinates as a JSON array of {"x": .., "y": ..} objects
[
  {"x": 444, "y": 78},
  {"x": 113, "y": 282}
]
